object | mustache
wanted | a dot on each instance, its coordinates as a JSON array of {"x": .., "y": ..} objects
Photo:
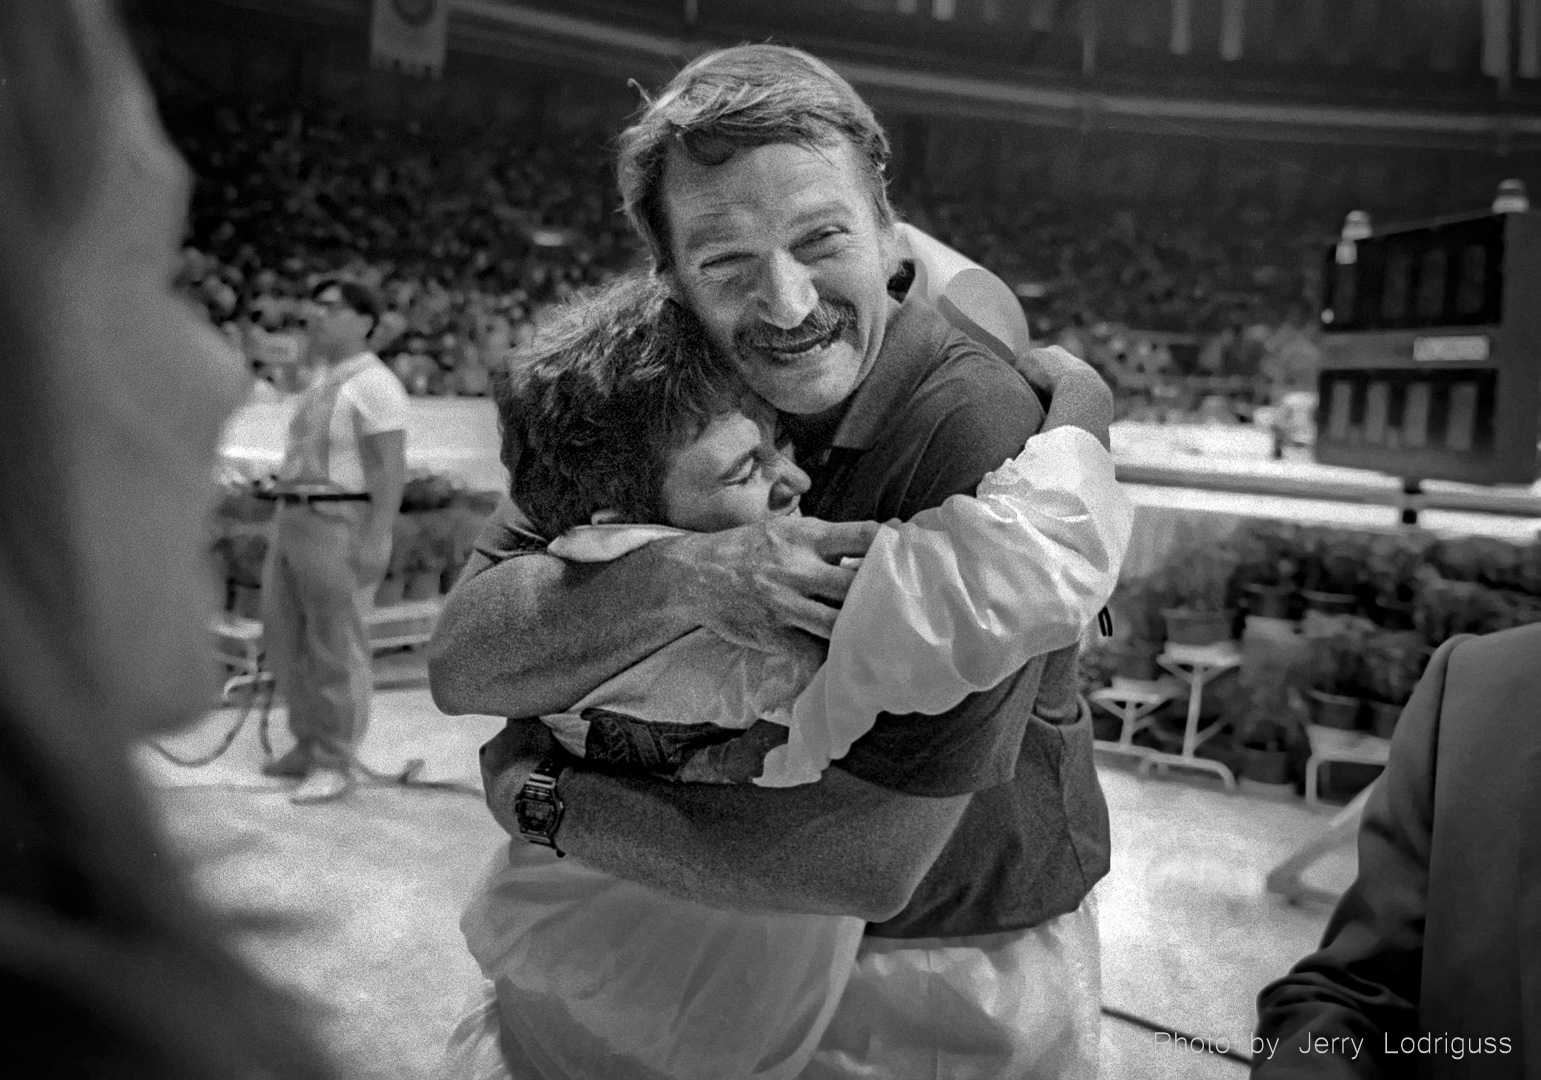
[{"x": 828, "y": 320}]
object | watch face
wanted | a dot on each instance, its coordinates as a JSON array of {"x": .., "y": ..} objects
[{"x": 536, "y": 816}]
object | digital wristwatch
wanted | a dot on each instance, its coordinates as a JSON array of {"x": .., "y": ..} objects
[{"x": 538, "y": 807}]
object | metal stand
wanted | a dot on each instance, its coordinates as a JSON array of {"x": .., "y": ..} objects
[
  {"x": 1350, "y": 747},
  {"x": 1196, "y": 665},
  {"x": 1412, "y": 499},
  {"x": 238, "y": 644},
  {"x": 1133, "y": 701},
  {"x": 1286, "y": 878}
]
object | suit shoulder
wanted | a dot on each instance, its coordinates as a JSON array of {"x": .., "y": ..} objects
[
  {"x": 1485, "y": 677},
  {"x": 1516, "y": 650}
]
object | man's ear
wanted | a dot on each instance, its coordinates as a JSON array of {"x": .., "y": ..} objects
[
  {"x": 606, "y": 517},
  {"x": 893, "y": 248}
]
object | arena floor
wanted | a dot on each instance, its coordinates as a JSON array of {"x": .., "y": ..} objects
[
  {"x": 459, "y": 436},
  {"x": 355, "y": 904}
]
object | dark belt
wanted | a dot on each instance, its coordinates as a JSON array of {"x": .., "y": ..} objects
[{"x": 318, "y": 496}]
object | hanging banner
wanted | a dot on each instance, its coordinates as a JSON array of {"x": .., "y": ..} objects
[
  {"x": 1233, "y": 28},
  {"x": 409, "y": 34},
  {"x": 1495, "y": 38},
  {"x": 1182, "y": 26},
  {"x": 1040, "y": 16}
]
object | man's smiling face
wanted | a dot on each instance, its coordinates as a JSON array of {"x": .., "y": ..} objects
[{"x": 780, "y": 253}]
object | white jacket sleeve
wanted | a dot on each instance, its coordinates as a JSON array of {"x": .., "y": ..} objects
[{"x": 963, "y": 595}]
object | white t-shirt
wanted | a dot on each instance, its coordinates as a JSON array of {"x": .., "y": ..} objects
[{"x": 357, "y": 398}]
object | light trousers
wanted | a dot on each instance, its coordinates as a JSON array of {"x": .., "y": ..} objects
[
  {"x": 1023, "y": 1005},
  {"x": 314, "y": 635}
]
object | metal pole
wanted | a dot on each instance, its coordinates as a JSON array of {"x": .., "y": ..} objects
[{"x": 1411, "y": 489}]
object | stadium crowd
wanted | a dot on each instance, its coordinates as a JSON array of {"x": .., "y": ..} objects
[{"x": 467, "y": 238}]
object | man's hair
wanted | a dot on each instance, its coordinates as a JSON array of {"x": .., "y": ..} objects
[
  {"x": 361, "y": 298},
  {"x": 736, "y": 99},
  {"x": 591, "y": 411}
]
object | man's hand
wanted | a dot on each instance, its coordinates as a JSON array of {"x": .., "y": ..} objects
[
  {"x": 1075, "y": 394},
  {"x": 373, "y": 559},
  {"x": 841, "y": 846},
  {"x": 752, "y": 584}
]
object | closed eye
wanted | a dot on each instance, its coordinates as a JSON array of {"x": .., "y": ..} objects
[
  {"x": 752, "y": 465},
  {"x": 824, "y": 242},
  {"x": 723, "y": 264}
]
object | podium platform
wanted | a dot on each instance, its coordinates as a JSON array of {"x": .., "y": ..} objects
[{"x": 238, "y": 639}]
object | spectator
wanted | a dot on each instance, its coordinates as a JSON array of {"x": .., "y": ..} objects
[
  {"x": 108, "y": 964},
  {"x": 1424, "y": 963}
]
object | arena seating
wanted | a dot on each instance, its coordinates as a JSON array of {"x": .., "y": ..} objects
[
  {"x": 466, "y": 240},
  {"x": 469, "y": 238}
]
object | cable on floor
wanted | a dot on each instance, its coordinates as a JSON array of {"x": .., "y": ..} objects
[
  {"x": 261, "y": 687},
  {"x": 1192, "y": 1040}
]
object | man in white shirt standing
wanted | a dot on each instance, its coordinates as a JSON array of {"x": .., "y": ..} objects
[{"x": 339, "y": 490}]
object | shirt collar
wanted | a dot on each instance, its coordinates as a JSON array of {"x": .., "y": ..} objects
[
  {"x": 915, "y": 331},
  {"x": 345, "y": 370}
]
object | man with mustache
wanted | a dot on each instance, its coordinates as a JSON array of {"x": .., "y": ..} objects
[{"x": 970, "y": 840}]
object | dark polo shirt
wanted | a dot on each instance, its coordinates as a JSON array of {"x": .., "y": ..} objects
[{"x": 936, "y": 413}]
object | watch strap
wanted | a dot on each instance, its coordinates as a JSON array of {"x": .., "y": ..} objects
[{"x": 540, "y": 790}]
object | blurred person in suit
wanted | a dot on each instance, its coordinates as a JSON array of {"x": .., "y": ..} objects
[
  {"x": 1431, "y": 964},
  {"x": 115, "y": 395}
]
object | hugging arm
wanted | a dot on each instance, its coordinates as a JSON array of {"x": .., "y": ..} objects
[
  {"x": 1077, "y": 395},
  {"x": 841, "y": 846},
  {"x": 1015, "y": 571},
  {"x": 526, "y": 635}
]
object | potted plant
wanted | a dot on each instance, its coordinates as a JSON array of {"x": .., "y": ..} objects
[
  {"x": 424, "y": 490},
  {"x": 1393, "y": 662},
  {"x": 1528, "y": 568},
  {"x": 392, "y": 587},
  {"x": 1096, "y": 668},
  {"x": 1266, "y": 567},
  {"x": 422, "y": 568},
  {"x": 244, "y": 550},
  {"x": 1332, "y": 570},
  {"x": 241, "y": 501},
  {"x": 1392, "y": 563},
  {"x": 467, "y": 516},
  {"x": 1336, "y": 644},
  {"x": 1137, "y": 622},
  {"x": 1486, "y": 560},
  {"x": 1196, "y": 587},
  {"x": 480, "y": 503},
  {"x": 1268, "y": 731},
  {"x": 1444, "y": 608}
]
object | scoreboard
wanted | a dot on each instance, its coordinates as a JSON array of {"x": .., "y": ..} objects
[{"x": 1431, "y": 352}]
